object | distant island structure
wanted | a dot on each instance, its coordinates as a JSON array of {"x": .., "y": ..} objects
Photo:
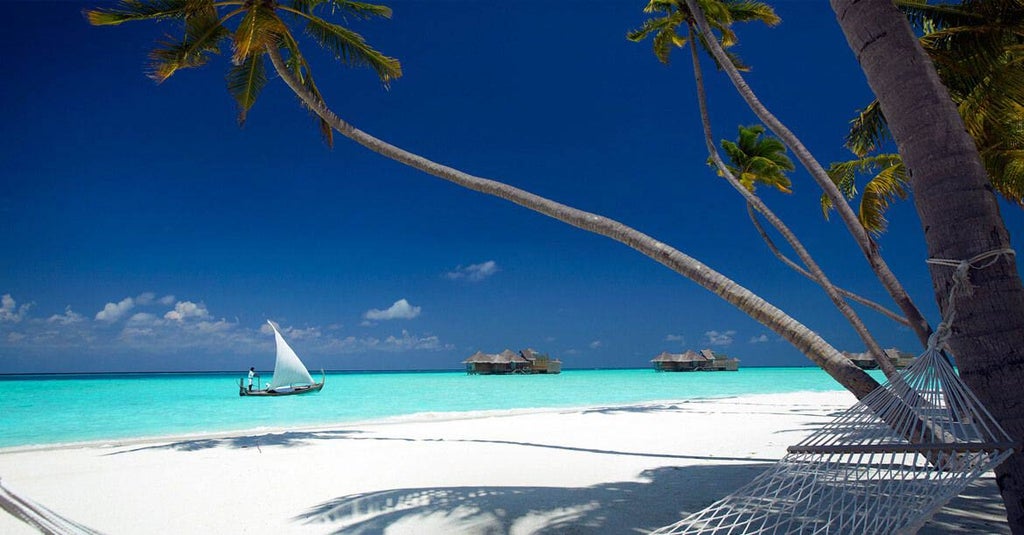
[
  {"x": 694, "y": 361},
  {"x": 865, "y": 361},
  {"x": 526, "y": 362}
]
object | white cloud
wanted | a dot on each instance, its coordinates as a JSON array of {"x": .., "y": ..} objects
[
  {"x": 400, "y": 310},
  {"x": 166, "y": 300},
  {"x": 145, "y": 298},
  {"x": 409, "y": 341},
  {"x": 113, "y": 311},
  {"x": 675, "y": 338},
  {"x": 596, "y": 344},
  {"x": 10, "y": 311},
  {"x": 187, "y": 309},
  {"x": 759, "y": 339},
  {"x": 67, "y": 318},
  {"x": 142, "y": 317},
  {"x": 474, "y": 272},
  {"x": 717, "y": 338}
]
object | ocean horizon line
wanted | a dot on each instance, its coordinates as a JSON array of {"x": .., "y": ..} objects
[{"x": 242, "y": 371}]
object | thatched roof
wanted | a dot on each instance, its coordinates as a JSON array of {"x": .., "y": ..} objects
[
  {"x": 893, "y": 354},
  {"x": 505, "y": 357},
  {"x": 689, "y": 356}
]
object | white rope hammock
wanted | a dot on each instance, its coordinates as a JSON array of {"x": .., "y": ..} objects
[{"x": 883, "y": 466}]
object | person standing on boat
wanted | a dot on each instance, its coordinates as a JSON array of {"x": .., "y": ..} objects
[{"x": 252, "y": 373}]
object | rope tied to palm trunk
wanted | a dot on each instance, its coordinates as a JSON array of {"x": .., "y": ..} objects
[{"x": 962, "y": 286}]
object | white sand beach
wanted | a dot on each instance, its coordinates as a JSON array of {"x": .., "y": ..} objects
[{"x": 601, "y": 470}]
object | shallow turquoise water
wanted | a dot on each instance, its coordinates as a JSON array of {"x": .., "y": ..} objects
[{"x": 51, "y": 409}]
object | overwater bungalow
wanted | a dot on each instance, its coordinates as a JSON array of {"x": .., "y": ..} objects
[
  {"x": 694, "y": 361},
  {"x": 865, "y": 361},
  {"x": 526, "y": 361}
]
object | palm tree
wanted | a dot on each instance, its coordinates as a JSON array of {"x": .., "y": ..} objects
[
  {"x": 672, "y": 17},
  {"x": 959, "y": 214},
  {"x": 878, "y": 265},
  {"x": 262, "y": 31},
  {"x": 758, "y": 159},
  {"x": 260, "y": 25},
  {"x": 977, "y": 51}
]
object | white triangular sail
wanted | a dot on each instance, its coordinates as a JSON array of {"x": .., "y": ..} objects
[{"x": 288, "y": 369}]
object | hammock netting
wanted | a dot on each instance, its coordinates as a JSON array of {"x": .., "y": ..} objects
[{"x": 883, "y": 466}]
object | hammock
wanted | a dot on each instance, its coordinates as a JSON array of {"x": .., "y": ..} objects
[{"x": 883, "y": 466}]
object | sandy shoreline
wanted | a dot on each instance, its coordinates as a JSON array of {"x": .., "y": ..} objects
[{"x": 616, "y": 469}]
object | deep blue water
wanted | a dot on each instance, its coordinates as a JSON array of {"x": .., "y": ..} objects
[{"x": 52, "y": 409}]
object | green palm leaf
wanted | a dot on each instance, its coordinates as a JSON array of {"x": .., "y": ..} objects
[
  {"x": 203, "y": 37},
  {"x": 245, "y": 82},
  {"x": 258, "y": 27},
  {"x": 882, "y": 190},
  {"x": 758, "y": 159},
  {"x": 300, "y": 69},
  {"x": 357, "y": 9},
  {"x": 672, "y": 16},
  {"x": 977, "y": 47},
  {"x": 351, "y": 49},
  {"x": 888, "y": 183},
  {"x": 132, "y": 10}
]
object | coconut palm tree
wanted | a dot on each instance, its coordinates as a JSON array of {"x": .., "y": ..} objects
[
  {"x": 258, "y": 25},
  {"x": 258, "y": 29},
  {"x": 959, "y": 214},
  {"x": 758, "y": 159},
  {"x": 978, "y": 51},
  {"x": 878, "y": 265},
  {"x": 674, "y": 16}
]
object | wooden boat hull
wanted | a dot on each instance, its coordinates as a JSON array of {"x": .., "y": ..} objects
[{"x": 316, "y": 387}]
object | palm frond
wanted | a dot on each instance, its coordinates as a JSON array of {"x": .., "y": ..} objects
[
  {"x": 245, "y": 81},
  {"x": 888, "y": 184},
  {"x": 745, "y": 11},
  {"x": 868, "y": 131},
  {"x": 132, "y": 10},
  {"x": 880, "y": 192},
  {"x": 359, "y": 10},
  {"x": 261, "y": 27},
  {"x": 923, "y": 15},
  {"x": 351, "y": 49},
  {"x": 203, "y": 37},
  {"x": 299, "y": 68}
]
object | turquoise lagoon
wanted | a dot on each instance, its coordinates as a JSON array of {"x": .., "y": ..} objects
[{"x": 56, "y": 409}]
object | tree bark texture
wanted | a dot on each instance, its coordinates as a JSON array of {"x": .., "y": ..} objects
[{"x": 959, "y": 215}]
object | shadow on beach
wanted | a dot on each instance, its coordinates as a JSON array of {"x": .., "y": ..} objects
[
  {"x": 617, "y": 507},
  {"x": 667, "y": 495}
]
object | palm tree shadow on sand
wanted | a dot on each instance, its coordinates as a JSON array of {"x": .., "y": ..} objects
[
  {"x": 617, "y": 507},
  {"x": 666, "y": 495}
]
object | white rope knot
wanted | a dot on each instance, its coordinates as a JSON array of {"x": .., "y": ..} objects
[
  {"x": 937, "y": 340},
  {"x": 961, "y": 284}
]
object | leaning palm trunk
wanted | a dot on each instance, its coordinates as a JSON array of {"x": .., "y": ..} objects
[
  {"x": 796, "y": 267},
  {"x": 960, "y": 217},
  {"x": 856, "y": 229},
  {"x": 808, "y": 342},
  {"x": 756, "y": 203}
]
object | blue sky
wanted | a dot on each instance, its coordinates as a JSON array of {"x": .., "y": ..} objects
[{"x": 145, "y": 231}]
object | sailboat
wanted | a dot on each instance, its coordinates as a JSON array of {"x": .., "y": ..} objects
[{"x": 290, "y": 375}]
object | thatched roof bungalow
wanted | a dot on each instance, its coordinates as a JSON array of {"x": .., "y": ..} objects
[
  {"x": 867, "y": 362},
  {"x": 705, "y": 360},
  {"x": 526, "y": 361}
]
